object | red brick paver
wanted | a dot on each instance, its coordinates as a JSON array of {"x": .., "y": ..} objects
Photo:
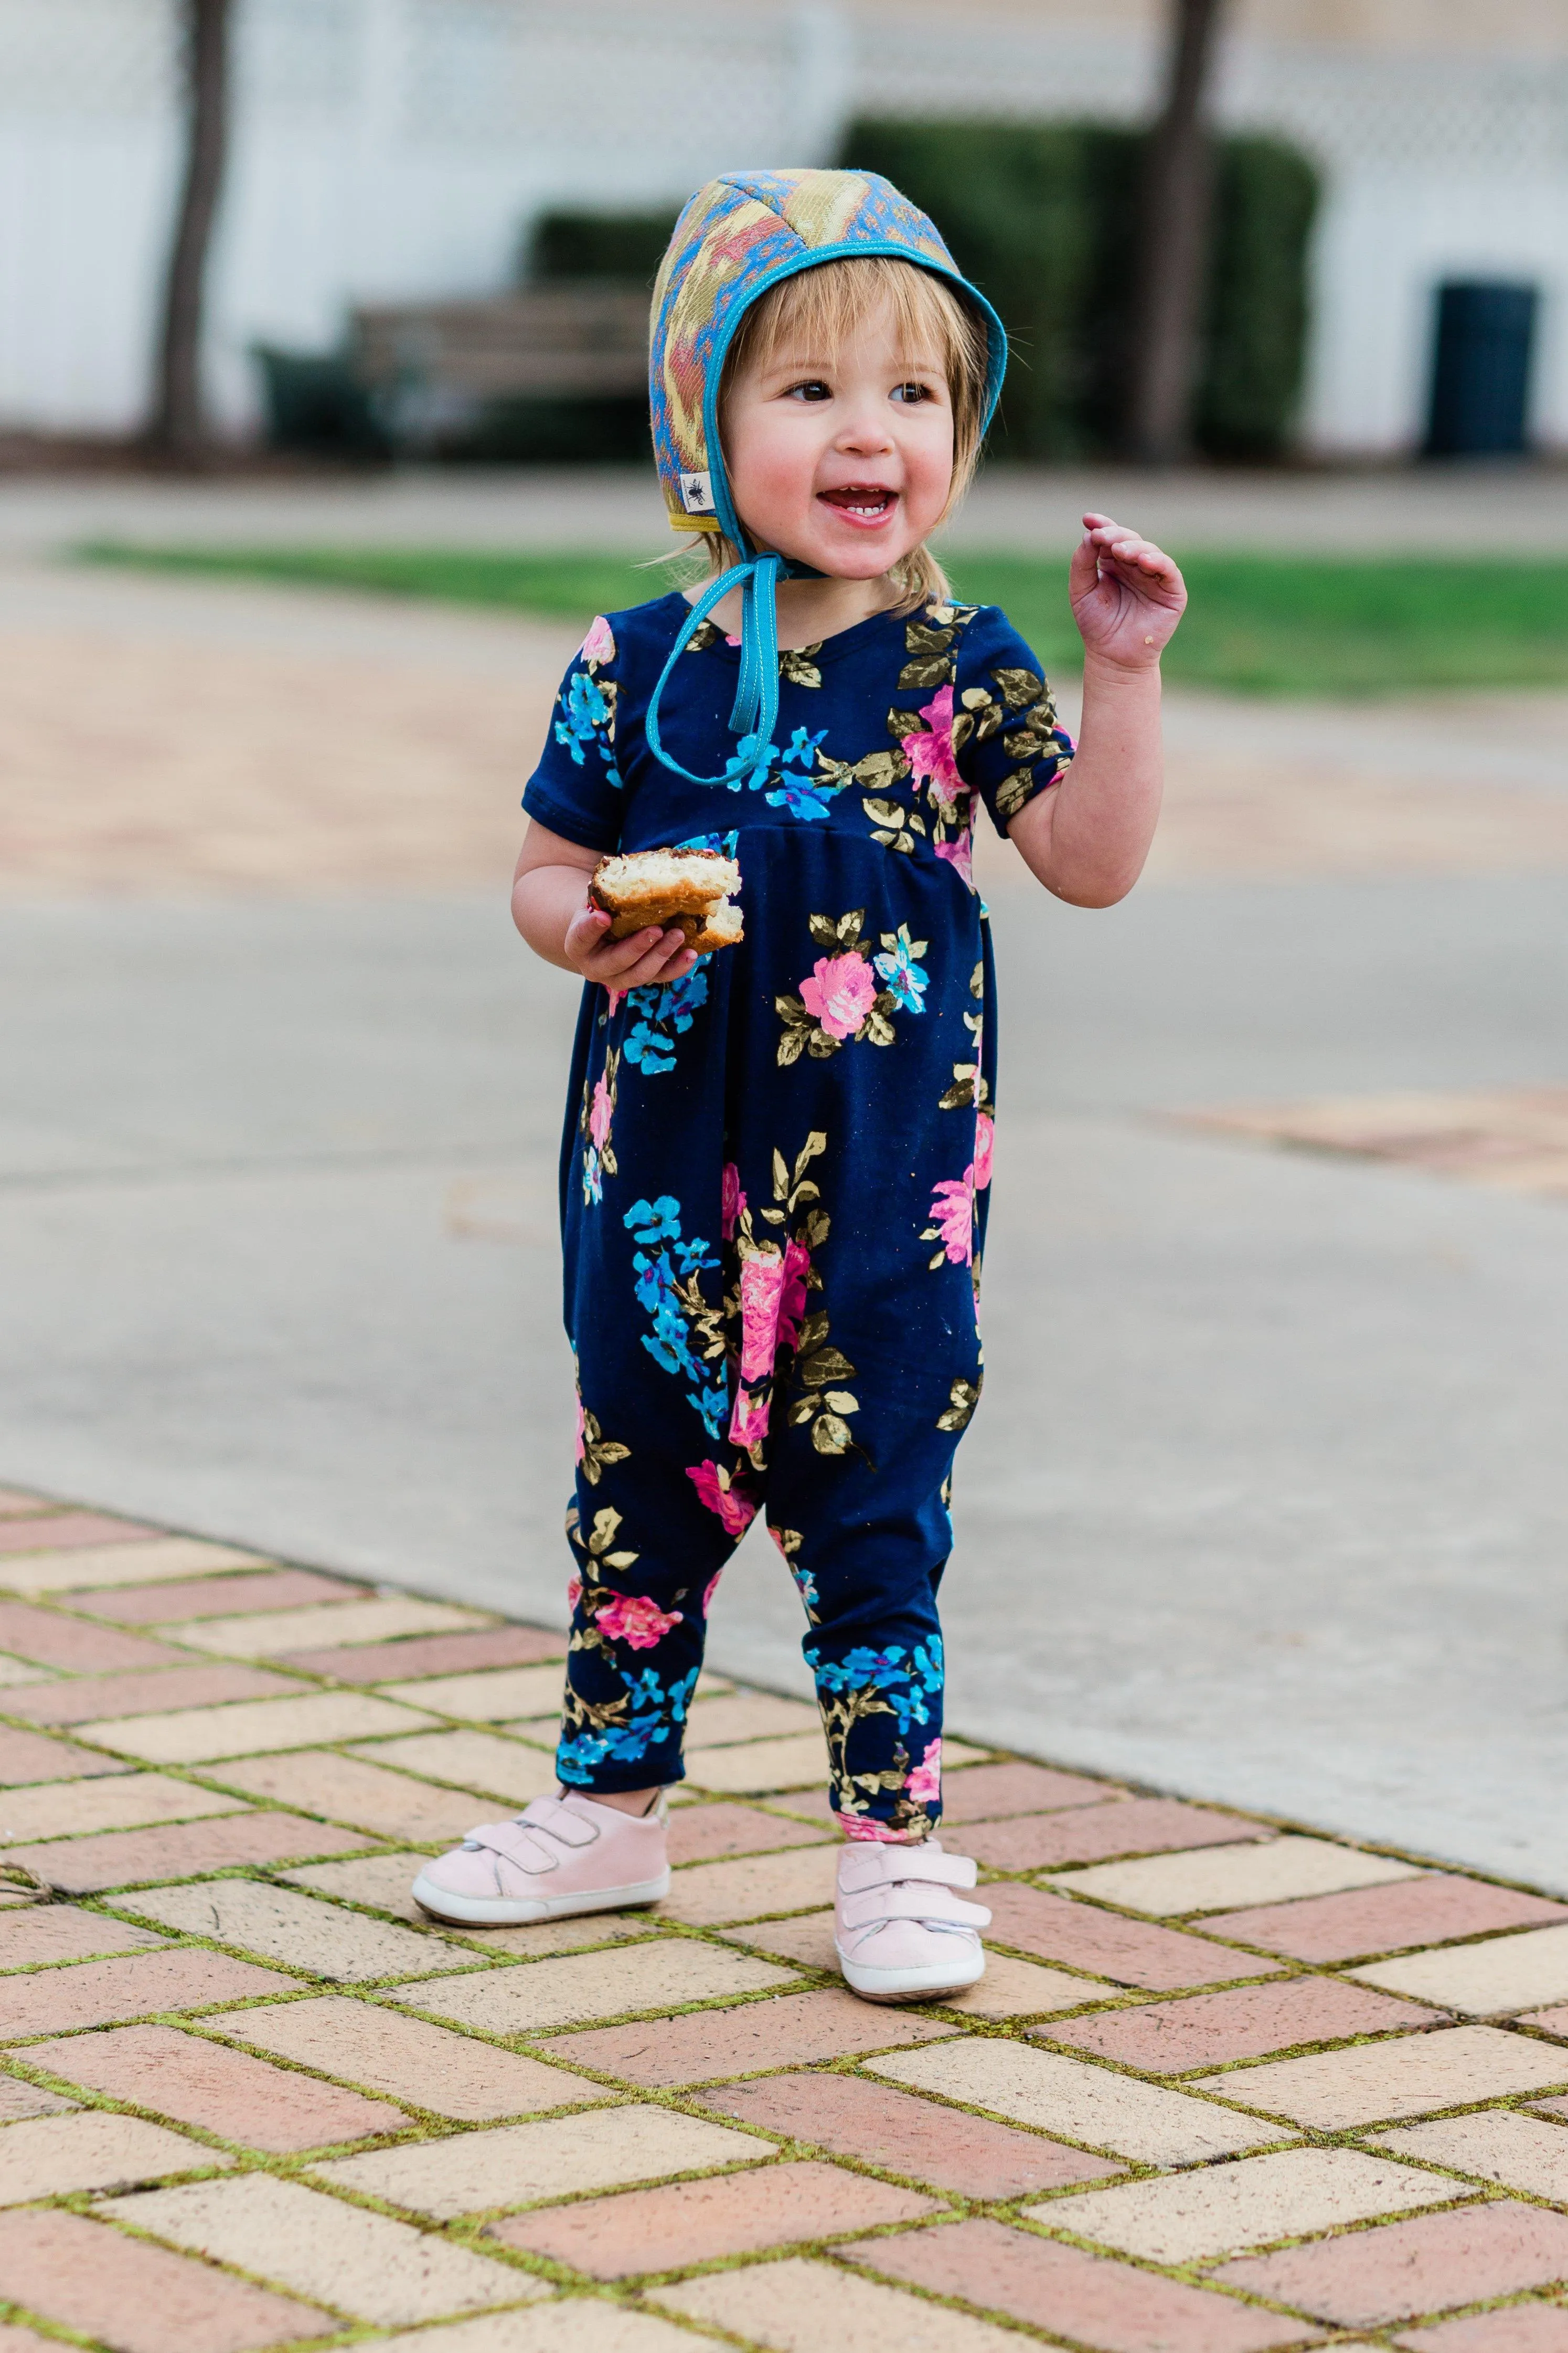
[
  {"x": 1367, "y": 1920},
  {"x": 96, "y": 1993},
  {"x": 87, "y": 1699},
  {"x": 1129, "y": 1952},
  {"x": 972, "y": 2154},
  {"x": 51, "y": 1530},
  {"x": 793, "y": 2032},
  {"x": 1520, "y": 2328},
  {"x": 985, "y": 1792},
  {"x": 1209, "y": 2030},
  {"x": 432, "y": 1654},
  {"x": 55, "y": 1640},
  {"x": 1407, "y": 2269},
  {"x": 1095, "y": 1833},
  {"x": 84, "y": 1866},
  {"x": 27, "y": 1756},
  {"x": 693, "y": 2222},
  {"x": 1089, "y": 2298},
  {"x": 709, "y": 1833},
  {"x": 214, "y": 1597},
  {"x": 137, "y": 2298},
  {"x": 58, "y": 1932},
  {"x": 218, "y": 2089}
]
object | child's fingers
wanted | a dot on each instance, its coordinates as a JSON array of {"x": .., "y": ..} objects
[{"x": 634, "y": 963}]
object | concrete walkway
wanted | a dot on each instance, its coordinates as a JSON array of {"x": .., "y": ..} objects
[
  {"x": 1219, "y": 2090},
  {"x": 1266, "y": 1504}
]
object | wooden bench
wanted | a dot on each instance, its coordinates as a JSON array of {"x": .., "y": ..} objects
[{"x": 569, "y": 337}]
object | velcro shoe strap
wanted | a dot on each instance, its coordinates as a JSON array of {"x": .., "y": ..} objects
[
  {"x": 557, "y": 1820},
  {"x": 878, "y": 1864},
  {"x": 521, "y": 1845},
  {"x": 911, "y": 1902}
]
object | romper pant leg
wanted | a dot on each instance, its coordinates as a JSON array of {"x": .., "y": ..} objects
[
  {"x": 648, "y": 1540},
  {"x": 867, "y": 1547}
]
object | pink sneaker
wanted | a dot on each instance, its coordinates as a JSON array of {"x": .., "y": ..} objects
[
  {"x": 560, "y": 1855},
  {"x": 902, "y": 1933}
]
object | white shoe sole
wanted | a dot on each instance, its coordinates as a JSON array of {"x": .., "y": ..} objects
[
  {"x": 910, "y": 1985},
  {"x": 515, "y": 1911}
]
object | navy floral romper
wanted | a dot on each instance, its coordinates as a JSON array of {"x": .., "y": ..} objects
[{"x": 774, "y": 1174}]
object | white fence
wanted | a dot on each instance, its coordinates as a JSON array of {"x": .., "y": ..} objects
[{"x": 385, "y": 148}]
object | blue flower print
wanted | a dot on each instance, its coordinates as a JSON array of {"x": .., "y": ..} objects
[
  {"x": 749, "y": 764},
  {"x": 659, "y": 1010},
  {"x": 903, "y": 1679},
  {"x": 804, "y": 796},
  {"x": 657, "y": 1709},
  {"x": 655, "y": 1221},
  {"x": 587, "y": 711},
  {"x": 668, "y": 1288},
  {"x": 907, "y": 980}
]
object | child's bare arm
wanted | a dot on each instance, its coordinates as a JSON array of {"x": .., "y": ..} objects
[
  {"x": 1087, "y": 838},
  {"x": 549, "y": 907}
]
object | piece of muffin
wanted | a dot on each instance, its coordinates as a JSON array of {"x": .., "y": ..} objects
[{"x": 687, "y": 890}]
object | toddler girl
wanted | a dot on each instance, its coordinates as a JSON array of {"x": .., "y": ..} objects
[{"x": 774, "y": 1171}]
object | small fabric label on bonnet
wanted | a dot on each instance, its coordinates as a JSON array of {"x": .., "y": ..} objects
[{"x": 697, "y": 493}]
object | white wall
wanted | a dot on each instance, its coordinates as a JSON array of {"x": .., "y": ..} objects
[{"x": 397, "y": 147}]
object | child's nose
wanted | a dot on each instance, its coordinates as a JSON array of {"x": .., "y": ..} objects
[{"x": 866, "y": 428}]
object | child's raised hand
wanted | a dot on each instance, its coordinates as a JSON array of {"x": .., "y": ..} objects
[
  {"x": 1127, "y": 595},
  {"x": 648, "y": 958}
]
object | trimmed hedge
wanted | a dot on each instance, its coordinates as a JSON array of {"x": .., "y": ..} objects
[{"x": 1043, "y": 217}]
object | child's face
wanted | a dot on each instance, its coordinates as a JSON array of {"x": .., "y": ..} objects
[{"x": 843, "y": 461}]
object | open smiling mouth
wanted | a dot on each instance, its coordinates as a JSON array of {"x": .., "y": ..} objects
[{"x": 861, "y": 502}]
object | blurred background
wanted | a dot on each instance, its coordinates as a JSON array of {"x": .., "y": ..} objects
[{"x": 323, "y": 436}]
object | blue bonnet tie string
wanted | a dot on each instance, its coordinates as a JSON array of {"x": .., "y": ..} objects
[{"x": 756, "y": 707}]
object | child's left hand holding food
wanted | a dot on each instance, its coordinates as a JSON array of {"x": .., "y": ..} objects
[{"x": 1127, "y": 595}]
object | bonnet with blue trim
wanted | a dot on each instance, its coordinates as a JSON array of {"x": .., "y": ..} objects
[{"x": 738, "y": 237}]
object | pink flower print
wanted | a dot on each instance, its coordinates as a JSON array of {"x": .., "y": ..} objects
[
  {"x": 580, "y": 1430},
  {"x": 762, "y": 1287},
  {"x": 984, "y": 1132},
  {"x": 841, "y": 994},
  {"x": 953, "y": 1213},
  {"x": 931, "y": 757},
  {"x": 573, "y": 1593},
  {"x": 636, "y": 1619},
  {"x": 615, "y": 996},
  {"x": 710, "y": 1590},
  {"x": 600, "y": 1112},
  {"x": 599, "y": 645},
  {"x": 749, "y": 1422},
  {"x": 731, "y": 1201},
  {"x": 959, "y": 853},
  {"x": 866, "y": 1829},
  {"x": 735, "y": 1507},
  {"x": 792, "y": 1294},
  {"x": 925, "y": 1784}
]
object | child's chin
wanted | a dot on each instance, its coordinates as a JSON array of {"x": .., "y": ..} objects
[{"x": 861, "y": 557}]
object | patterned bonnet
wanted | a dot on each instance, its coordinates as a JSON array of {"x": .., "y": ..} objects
[{"x": 738, "y": 237}]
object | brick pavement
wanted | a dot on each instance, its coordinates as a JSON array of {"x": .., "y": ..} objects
[{"x": 1230, "y": 2086}]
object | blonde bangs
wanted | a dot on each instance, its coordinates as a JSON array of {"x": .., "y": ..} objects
[{"x": 817, "y": 312}]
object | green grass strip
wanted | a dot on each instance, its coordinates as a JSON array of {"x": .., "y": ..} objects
[{"x": 1260, "y": 625}]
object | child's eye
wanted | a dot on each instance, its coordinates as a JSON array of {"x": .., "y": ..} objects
[
  {"x": 910, "y": 392},
  {"x": 810, "y": 388}
]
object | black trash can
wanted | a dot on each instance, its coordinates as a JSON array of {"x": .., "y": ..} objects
[{"x": 1480, "y": 369}]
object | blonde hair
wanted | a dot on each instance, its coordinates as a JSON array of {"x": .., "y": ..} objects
[{"x": 822, "y": 310}]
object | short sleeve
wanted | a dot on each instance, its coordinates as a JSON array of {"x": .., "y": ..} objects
[
  {"x": 1014, "y": 746},
  {"x": 576, "y": 790}
]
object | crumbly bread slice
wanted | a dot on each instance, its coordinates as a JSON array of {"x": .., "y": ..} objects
[
  {"x": 678, "y": 888},
  {"x": 684, "y": 882},
  {"x": 721, "y": 929}
]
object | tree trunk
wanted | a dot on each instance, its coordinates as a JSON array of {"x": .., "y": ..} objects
[
  {"x": 179, "y": 425},
  {"x": 1173, "y": 247}
]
